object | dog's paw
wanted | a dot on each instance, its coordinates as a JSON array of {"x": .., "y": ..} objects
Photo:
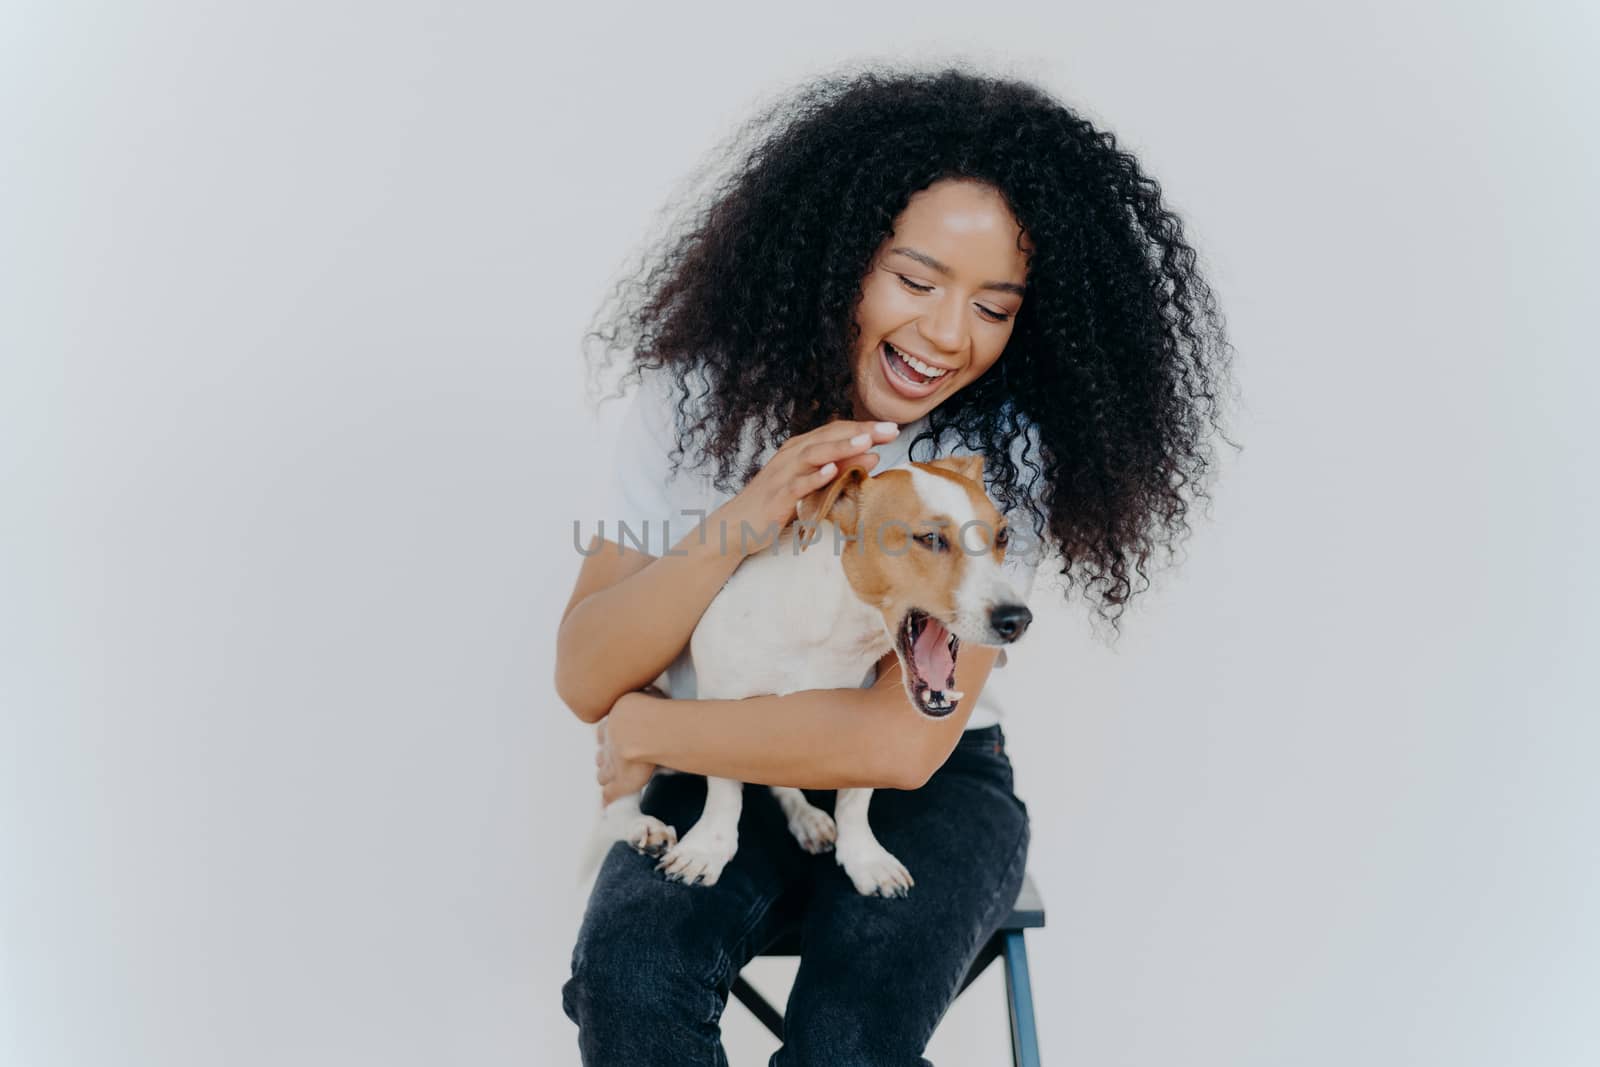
[
  {"x": 649, "y": 835},
  {"x": 814, "y": 829},
  {"x": 698, "y": 858},
  {"x": 874, "y": 872}
]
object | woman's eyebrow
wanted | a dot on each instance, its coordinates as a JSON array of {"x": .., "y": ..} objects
[{"x": 933, "y": 264}]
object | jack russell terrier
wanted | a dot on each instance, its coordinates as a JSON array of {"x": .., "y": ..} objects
[{"x": 919, "y": 573}]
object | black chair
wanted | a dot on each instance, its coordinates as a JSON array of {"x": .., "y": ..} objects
[{"x": 1026, "y": 914}]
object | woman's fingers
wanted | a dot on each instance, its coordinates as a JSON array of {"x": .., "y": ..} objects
[
  {"x": 816, "y": 453},
  {"x": 821, "y": 461},
  {"x": 845, "y": 433},
  {"x": 810, "y": 482},
  {"x": 866, "y": 459},
  {"x": 851, "y": 430},
  {"x": 807, "y": 462},
  {"x": 878, "y": 431}
]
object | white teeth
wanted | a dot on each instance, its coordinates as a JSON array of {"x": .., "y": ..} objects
[{"x": 919, "y": 366}]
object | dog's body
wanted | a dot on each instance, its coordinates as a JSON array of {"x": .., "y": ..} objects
[{"x": 800, "y": 617}]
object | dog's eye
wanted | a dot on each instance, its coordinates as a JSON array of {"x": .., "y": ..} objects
[
  {"x": 934, "y": 541},
  {"x": 1003, "y": 538}
]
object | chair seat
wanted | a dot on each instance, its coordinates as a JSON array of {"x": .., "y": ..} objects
[{"x": 1028, "y": 912}]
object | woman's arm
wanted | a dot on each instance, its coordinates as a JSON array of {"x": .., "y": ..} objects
[
  {"x": 631, "y": 613},
  {"x": 815, "y": 739}
]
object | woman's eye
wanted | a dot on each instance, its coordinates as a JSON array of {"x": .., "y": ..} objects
[{"x": 988, "y": 313}]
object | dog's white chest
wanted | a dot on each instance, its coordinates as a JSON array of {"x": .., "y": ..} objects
[{"x": 786, "y": 622}]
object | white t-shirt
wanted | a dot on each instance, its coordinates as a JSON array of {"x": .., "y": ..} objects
[{"x": 659, "y": 509}]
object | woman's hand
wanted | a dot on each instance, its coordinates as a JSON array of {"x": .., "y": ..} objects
[
  {"x": 803, "y": 464},
  {"x": 617, "y": 775}
]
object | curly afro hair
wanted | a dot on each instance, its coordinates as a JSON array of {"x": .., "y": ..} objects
[{"x": 1118, "y": 356}]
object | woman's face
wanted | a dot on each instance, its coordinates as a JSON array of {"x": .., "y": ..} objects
[{"x": 944, "y": 290}]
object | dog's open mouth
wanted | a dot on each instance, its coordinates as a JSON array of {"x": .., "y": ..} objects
[{"x": 928, "y": 660}]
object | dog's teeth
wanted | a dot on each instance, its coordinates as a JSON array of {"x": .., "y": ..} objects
[{"x": 953, "y": 695}]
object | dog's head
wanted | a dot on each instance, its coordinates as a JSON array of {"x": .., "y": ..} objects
[{"x": 923, "y": 545}]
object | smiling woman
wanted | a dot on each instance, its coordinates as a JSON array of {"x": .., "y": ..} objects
[
  {"x": 941, "y": 300},
  {"x": 945, "y": 262}
]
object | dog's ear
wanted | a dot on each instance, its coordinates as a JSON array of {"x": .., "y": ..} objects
[
  {"x": 838, "y": 502},
  {"x": 969, "y": 467}
]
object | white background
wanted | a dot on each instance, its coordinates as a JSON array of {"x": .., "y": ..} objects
[{"x": 292, "y": 438}]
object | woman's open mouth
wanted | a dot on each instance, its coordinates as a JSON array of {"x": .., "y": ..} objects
[
  {"x": 928, "y": 661},
  {"x": 905, "y": 379}
]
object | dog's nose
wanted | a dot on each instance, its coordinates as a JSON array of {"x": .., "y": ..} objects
[{"x": 1010, "y": 620}]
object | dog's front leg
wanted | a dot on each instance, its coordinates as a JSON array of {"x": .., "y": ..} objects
[
  {"x": 872, "y": 869},
  {"x": 711, "y": 843}
]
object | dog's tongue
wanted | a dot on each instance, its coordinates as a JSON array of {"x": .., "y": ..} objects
[{"x": 931, "y": 654}]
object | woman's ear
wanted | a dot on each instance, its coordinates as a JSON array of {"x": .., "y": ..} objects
[{"x": 838, "y": 502}]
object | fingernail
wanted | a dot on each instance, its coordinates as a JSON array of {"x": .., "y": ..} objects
[
  {"x": 887, "y": 427},
  {"x": 827, "y": 470},
  {"x": 861, "y": 439}
]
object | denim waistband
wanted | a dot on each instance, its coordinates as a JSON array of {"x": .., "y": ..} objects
[{"x": 985, "y": 737}]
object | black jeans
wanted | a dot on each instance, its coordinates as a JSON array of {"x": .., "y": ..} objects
[{"x": 655, "y": 959}]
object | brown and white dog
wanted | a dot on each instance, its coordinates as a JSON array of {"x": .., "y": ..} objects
[{"x": 908, "y": 560}]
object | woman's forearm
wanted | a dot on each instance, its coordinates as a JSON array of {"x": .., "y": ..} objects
[
  {"x": 621, "y": 636},
  {"x": 814, "y": 739}
]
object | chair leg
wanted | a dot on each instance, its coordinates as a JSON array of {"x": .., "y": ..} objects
[
  {"x": 769, "y": 1016},
  {"x": 1019, "y": 997}
]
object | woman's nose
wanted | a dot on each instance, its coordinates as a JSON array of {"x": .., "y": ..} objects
[{"x": 945, "y": 326}]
